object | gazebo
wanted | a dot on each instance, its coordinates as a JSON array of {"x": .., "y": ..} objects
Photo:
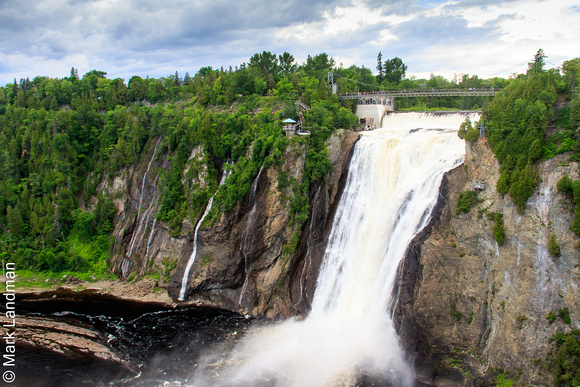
[{"x": 289, "y": 126}]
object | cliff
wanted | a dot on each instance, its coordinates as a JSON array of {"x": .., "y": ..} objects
[
  {"x": 468, "y": 308},
  {"x": 473, "y": 309},
  {"x": 253, "y": 259}
]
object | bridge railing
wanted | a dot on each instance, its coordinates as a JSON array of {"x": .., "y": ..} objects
[{"x": 473, "y": 92}]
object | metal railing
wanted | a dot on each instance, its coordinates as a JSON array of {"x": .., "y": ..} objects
[{"x": 423, "y": 93}]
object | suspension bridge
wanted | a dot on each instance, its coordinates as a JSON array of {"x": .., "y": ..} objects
[
  {"x": 487, "y": 92},
  {"x": 385, "y": 97},
  {"x": 372, "y": 105}
]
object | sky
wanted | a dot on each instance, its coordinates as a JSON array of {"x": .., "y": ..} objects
[{"x": 157, "y": 38}]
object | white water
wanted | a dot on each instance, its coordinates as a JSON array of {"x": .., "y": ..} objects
[
  {"x": 249, "y": 226},
  {"x": 185, "y": 278},
  {"x": 151, "y": 235},
  {"x": 308, "y": 258},
  {"x": 136, "y": 234},
  {"x": 393, "y": 184}
]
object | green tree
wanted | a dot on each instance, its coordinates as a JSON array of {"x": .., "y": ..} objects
[
  {"x": 318, "y": 65},
  {"x": 537, "y": 65},
  {"x": 380, "y": 75},
  {"x": 74, "y": 74},
  {"x": 575, "y": 113},
  {"x": 104, "y": 215},
  {"x": 571, "y": 69},
  {"x": 15, "y": 222},
  {"x": 265, "y": 63},
  {"x": 285, "y": 90},
  {"x": 522, "y": 187},
  {"x": 3, "y": 101},
  {"x": 498, "y": 229},
  {"x": 535, "y": 151},
  {"x": 287, "y": 65},
  {"x": 553, "y": 246},
  {"x": 465, "y": 201},
  {"x": 394, "y": 70}
]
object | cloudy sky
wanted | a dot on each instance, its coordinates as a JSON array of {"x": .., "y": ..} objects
[{"x": 158, "y": 37}]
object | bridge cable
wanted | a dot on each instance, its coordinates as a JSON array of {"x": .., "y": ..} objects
[{"x": 362, "y": 83}]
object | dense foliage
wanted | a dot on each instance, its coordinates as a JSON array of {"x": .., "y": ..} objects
[
  {"x": 566, "y": 359},
  {"x": 572, "y": 190},
  {"x": 498, "y": 228},
  {"x": 61, "y": 137},
  {"x": 517, "y": 120},
  {"x": 465, "y": 201},
  {"x": 467, "y": 131}
]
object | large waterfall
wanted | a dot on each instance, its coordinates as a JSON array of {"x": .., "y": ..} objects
[{"x": 392, "y": 186}]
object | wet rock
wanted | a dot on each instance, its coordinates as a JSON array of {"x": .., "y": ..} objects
[{"x": 471, "y": 306}]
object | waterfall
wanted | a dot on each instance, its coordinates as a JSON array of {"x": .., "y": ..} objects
[
  {"x": 134, "y": 237},
  {"x": 149, "y": 240},
  {"x": 308, "y": 258},
  {"x": 249, "y": 223},
  {"x": 181, "y": 297},
  {"x": 392, "y": 186}
]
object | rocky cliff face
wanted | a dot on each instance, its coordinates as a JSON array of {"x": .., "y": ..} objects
[
  {"x": 245, "y": 260},
  {"x": 254, "y": 259},
  {"x": 470, "y": 308}
]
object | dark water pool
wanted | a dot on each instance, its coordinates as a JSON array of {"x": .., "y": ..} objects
[{"x": 158, "y": 345}]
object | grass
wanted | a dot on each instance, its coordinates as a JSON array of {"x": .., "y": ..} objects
[{"x": 46, "y": 280}]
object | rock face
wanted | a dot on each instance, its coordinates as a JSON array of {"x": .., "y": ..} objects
[
  {"x": 467, "y": 307},
  {"x": 243, "y": 261},
  {"x": 254, "y": 259},
  {"x": 62, "y": 337},
  {"x": 470, "y": 307}
]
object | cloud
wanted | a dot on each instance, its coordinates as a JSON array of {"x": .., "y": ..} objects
[
  {"x": 150, "y": 37},
  {"x": 442, "y": 31}
]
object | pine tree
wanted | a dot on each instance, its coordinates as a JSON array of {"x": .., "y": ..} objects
[
  {"x": 74, "y": 74},
  {"x": 14, "y": 220},
  {"x": 380, "y": 67},
  {"x": 287, "y": 64},
  {"x": 537, "y": 66}
]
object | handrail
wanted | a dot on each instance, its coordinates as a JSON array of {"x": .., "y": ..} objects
[{"x": 422, "y": 93}]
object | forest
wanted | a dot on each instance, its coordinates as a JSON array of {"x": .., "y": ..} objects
[{"x": 60, "y": 137}]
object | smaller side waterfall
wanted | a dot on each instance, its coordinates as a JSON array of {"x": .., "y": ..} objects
[
  {"x": 249, "y": 225},
  {"x": 136, "y": 234},
  {"x": 194, "y": 252},
  {"x": 307, "y": 265},
  {"x": 149, "y": 240}
]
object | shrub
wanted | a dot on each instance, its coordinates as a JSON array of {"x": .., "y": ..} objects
[
  {"x": 498, "y": 229},
  {"x": 465, "y": 201},
  {"x": 522, "y": 186},
  {"x": 472, "y": 134},
  {"x": 565, "y": 360},
  {"x": 572, "y": 189},
  {"x": 503, "y": 381},
  {"x": 553, "y": 246},
  {"x": 564, "y": 314},
  {"x": 565, "y": 185}
]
